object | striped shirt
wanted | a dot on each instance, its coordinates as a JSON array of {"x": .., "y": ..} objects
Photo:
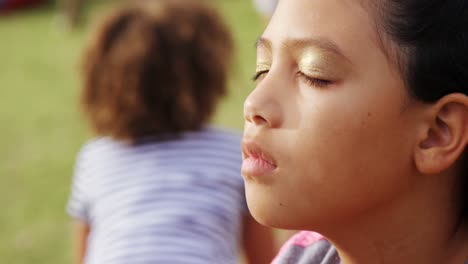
[{"x": 177, "y": 200}]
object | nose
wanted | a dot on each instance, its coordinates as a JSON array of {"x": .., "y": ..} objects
[{"x": 262, "y": 108}]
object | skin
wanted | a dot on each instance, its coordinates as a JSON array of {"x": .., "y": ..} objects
[
  {"x": 81, "y": 231},
  {"x": 345, "y": 150},
  {"x": 258, "y": 242}
]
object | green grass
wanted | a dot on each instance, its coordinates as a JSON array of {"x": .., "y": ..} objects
[{"x": 41, "y": 129}]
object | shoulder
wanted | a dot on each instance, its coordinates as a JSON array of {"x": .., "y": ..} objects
[
  {"x": 98, "y": 146},
  {"x": 307, "y": 247},
  {"x": 230, "y": 135},
  {"x": 214, "y": 137}
]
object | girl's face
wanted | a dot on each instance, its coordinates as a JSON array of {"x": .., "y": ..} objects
[{"x": 329, "y": 128}]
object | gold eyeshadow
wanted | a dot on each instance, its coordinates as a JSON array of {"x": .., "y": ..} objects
[
  {"x": 312, "y": 58},
  {"x": 264, "y": 58},
  {"x": 321, "y": 64},
  {"x": 262, "y": 66}
]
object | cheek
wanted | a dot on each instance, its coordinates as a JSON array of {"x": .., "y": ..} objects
[
  {"x": 350, "y": 126},
  {"x": 349, "y": 153}
]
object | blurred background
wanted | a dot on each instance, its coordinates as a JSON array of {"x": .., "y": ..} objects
[{"x": 41, "y": 129}]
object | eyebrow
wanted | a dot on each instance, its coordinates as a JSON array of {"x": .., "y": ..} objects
[
  {"x": 292, "y": 44},
  {"x": 263, "y": 43}
]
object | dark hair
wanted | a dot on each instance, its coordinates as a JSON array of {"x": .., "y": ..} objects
[
  {"x": 432, "y": 39},
  {"x": 155, "y": 68}
]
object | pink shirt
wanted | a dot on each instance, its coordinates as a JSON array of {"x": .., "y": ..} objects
[{"x": 307, "y": 248}]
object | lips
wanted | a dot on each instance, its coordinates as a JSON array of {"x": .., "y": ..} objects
[{"x": 256, "y": 161}]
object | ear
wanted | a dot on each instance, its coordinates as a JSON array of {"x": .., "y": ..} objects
[{"x": 445, "y": 134}]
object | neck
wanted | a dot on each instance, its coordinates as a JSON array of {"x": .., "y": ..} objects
[{"x": 419, "y": 226}]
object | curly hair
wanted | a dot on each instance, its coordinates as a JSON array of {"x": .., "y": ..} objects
[{"x": 155, "y": 68}]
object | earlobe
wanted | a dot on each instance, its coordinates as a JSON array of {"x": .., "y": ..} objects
[{"x": 446, "y": 135}]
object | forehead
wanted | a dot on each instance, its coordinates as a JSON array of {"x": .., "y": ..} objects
[{"x": 346, "y": 23}]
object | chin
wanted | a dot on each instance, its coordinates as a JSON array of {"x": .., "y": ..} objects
[
  {"x": 269, "y": 218},
  {"x": 272, "y": 209},
  {"x": 267, "y": 211}
]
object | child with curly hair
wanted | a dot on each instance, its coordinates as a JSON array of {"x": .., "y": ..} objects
[{"x": 158, "y": 184}]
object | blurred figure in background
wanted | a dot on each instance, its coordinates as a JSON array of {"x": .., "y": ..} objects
[
  {"x": 10, "y": 5},
  {"x": 159, "y": 185},
  {"x": 72, "y": 11}
]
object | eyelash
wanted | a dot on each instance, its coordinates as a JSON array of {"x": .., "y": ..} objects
[
  {"x": 259, "y": 74},
  {"x": 320, "y": 83},
  {"x": 309, "y": 80}
]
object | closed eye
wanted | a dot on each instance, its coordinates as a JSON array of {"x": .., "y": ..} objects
[
  {"x": 317, "y": 82},
  {"x": 259, "y": 75}
]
